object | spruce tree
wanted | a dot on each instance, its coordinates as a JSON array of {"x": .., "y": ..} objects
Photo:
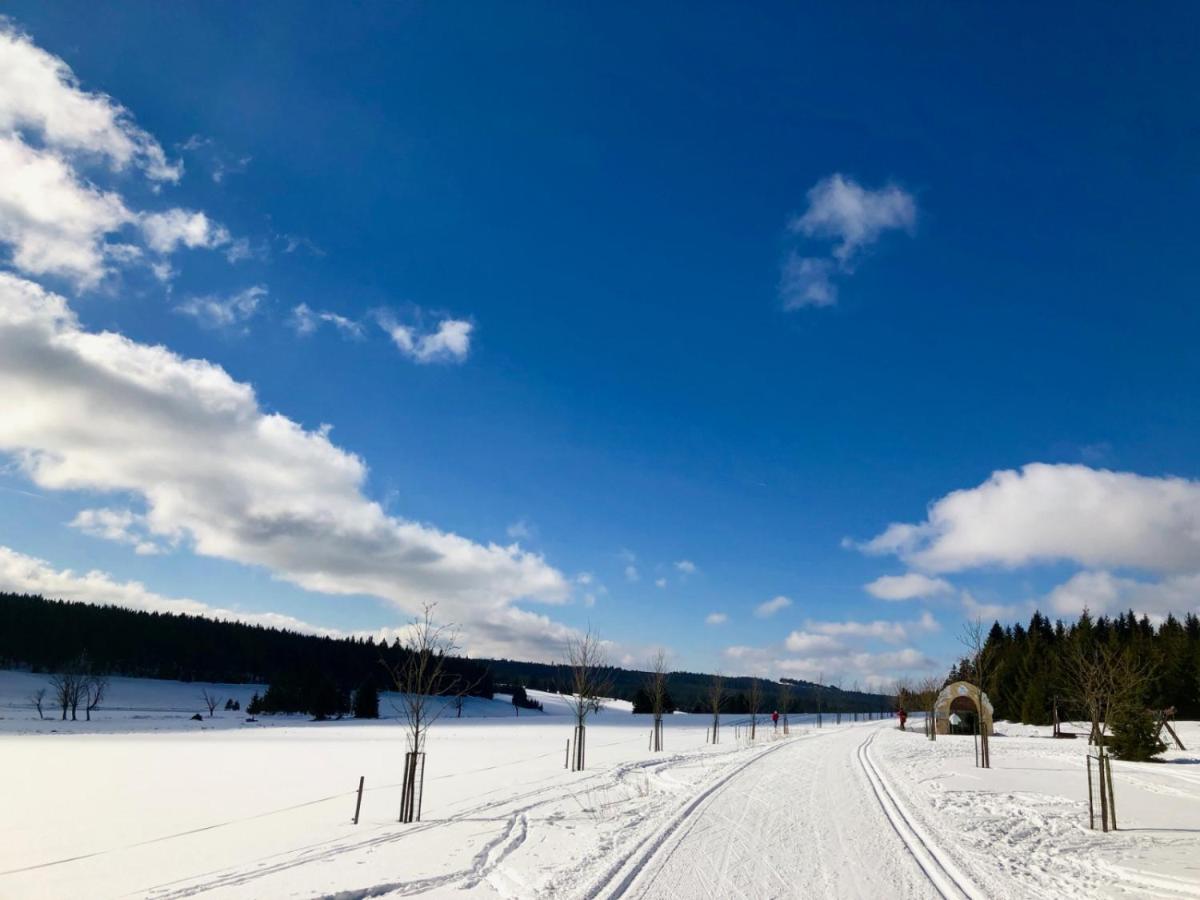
[
  {"x": 366, "y": 701},
  {"x": 1133, "y": 736}
]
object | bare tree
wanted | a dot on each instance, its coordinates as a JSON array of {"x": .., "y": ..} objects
[
  {"x": 36, "y": 699},
  {"x": 94, "y": 687},
  {"x": 785, "y": 701},
  {"x": 1102, "y": 679},
  {"x": 754, "y": 701},
  {"x": 854, "y": 690},
  {"x": 656, "y": 689},
  {"x": 590, "y": 679},
  {"x": 973, "y": 637},
  {"x": 837, "y": 686},
  {"x": 211, "y": 700},
  {"x": 928, "y": 691},
  {"x": 716, "y": 699},
  {"x": 68, "y": 685},
  {"x": 426, "y": 690}
]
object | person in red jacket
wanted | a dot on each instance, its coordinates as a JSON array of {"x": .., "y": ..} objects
[
  {"x": 775, "y": 718},
  {"x": 903, "y": 718}
]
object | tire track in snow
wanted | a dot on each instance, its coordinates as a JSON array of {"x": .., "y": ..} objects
[{"x": 941, "y": 871}]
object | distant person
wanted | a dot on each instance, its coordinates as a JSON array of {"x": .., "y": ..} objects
[
  {"x": 903, "y": 717},
  {"x": 775, "y": 718}
]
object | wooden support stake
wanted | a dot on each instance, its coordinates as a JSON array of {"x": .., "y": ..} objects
[
  {"x": 358, "y": 805},
  {"x": 1112, "y": 800},
  {"x": 1103, "y": 794},
  {"x": 1091, "y": 805}
]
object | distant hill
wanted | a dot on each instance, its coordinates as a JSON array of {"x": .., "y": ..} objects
[{"x": 48, "y": 635}]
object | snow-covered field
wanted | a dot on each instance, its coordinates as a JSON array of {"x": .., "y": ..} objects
[{"x": 144, "y": 802}]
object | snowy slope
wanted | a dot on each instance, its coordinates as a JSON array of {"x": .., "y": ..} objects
[{"x": 860, "y": 810}]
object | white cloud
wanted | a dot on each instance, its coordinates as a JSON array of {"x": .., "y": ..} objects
[
  {"x": 840, "y": 208},
  {"x": 827, "y": 664},
  {"x": 1103, "y": 593},
  {"x": 660, "y": 582},
  {"x": 223, "y": 312},
  {"x": 54, "y": 222},
  {"x": 686, "y": 566},
  {"x": 1004, "y": 612},
  {"x": 585, "y": 578},
  {"x": 53, "y": 217},
  {"x": 20, "y": 573},
  {"x": 855, "y": 217},
  {"x": 167, "y": 231},
  {"x": 306, "y": 320},
  {"x": 87, "y": 411},
  {"x": 772, "y": 606},
  {"x": 891, "y": 632},
  {"x": 121, "y": 525},
  {"x": 631, "y": 574},
  {"x": 909, "y": 586},
  {"x": 813, "y": 644},
  {"x": 520, "y": 530},
  {"x": 1046, "y": 513},
  {"x": 40, "y": 94},
  {"x": 451, "y": 342},
  {"x": 807, "y": 281},
  {"x": 716, "y": 618}
]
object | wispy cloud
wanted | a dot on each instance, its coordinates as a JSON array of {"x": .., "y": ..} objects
[
  {"x": 842, "y": 210},
  {"x": 450, "y": 342},
  {"x": 305, "y": 320},
  {"x": 770, "y": 607},
  {"x": 214, "y": 311}
]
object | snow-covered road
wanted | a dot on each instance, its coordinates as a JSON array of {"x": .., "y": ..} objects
[{"x": 801, "y": 820}]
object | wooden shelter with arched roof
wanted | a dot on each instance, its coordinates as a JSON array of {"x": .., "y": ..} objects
[{"x": 962, "y": 701}]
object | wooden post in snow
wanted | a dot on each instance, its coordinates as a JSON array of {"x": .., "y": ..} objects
[{"x": 358, "y": 804}]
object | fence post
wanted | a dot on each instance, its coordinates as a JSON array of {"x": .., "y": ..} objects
[
  {"x": 567, "y": 758},
  {"x": 358, "y": 805}
]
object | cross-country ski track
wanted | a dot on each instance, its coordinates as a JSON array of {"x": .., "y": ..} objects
[{"x": 808, "y": 817}]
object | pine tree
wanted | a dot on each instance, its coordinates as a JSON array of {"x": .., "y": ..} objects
[
  {"x": 1133, "y": 736},
  {"x": 366, "y": 701}
]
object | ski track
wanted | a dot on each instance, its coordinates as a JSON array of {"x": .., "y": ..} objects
[
  {"x": 486, "y": 864},
  {"x": 803, "y": 819}
]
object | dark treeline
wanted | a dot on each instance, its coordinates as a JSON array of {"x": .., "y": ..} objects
[
  {"x": 320, "y": 675},
  {"x": 1026, "y": 669},
  {"x": 689, "y": 690}
]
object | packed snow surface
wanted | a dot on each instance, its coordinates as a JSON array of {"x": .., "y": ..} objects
[{"x": 144, "y": 802}]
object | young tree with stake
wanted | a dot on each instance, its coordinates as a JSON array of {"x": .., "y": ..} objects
[
  {"x": 754, "y": 700},
  {"x": 590, "y": 679},
  {"x": 426, "y": 690},
  {"x": 656, "y": 689},
  {"x": 716, "y": 698}
]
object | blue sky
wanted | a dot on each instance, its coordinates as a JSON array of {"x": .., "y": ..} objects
[{"x": 602, "y": 204}]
